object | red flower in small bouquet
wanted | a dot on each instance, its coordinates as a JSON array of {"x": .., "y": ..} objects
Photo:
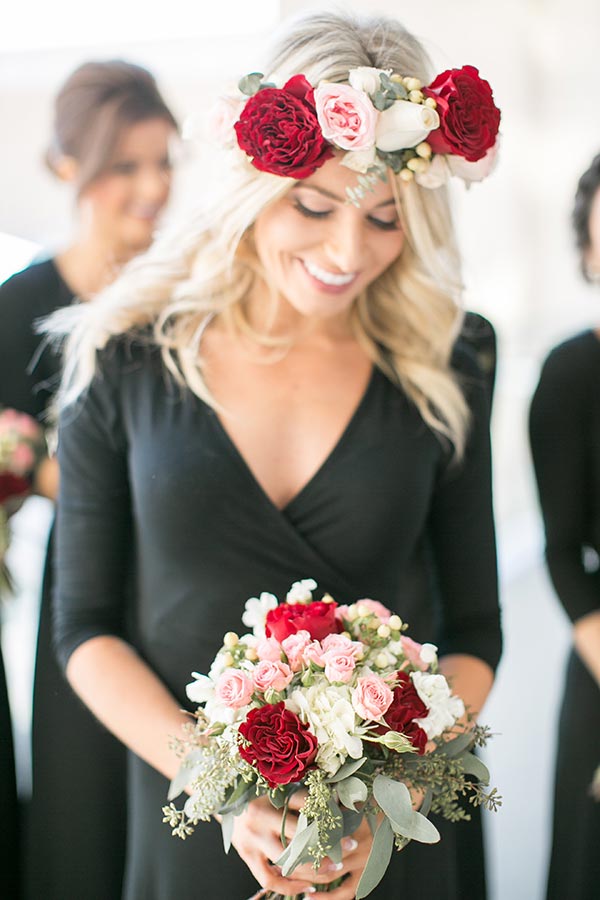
[
  {"x": 338, "y": 700},
  {"x": 21, "y": 447}
]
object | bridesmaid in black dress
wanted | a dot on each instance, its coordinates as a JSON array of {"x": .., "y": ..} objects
[
  {"x": 279, "y": 393},
  {"x": 565, "y": 441},
  {"x": 111, "y": 142}
]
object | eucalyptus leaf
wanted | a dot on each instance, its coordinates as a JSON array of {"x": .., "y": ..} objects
[
  {"x": 239, "y": 798},
  {"x": 394, "y": 799},
  {"x": 250, "y": 84},
  {"x": 474, "y": 766},
  {"x": 457, "y": 745},
  {"x": 337, "y": 832},
  {"x": 227, "y": 829},
  {"x": 379, "y": 101},
  {"x": 353, "y": 765},
  {"x": 294, "y": 852},
  {"x": 378, "y": 861},
  {"x": 187, "y": 772},
  {"x": 352, "y": 820},
  {"x": 352, "y": 791},
  {"x": 335, "y": 852},
  {"x": 427, "y": 801}
]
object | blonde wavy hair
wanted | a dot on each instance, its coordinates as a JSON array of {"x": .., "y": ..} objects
[{"x": 407, "y": 320}]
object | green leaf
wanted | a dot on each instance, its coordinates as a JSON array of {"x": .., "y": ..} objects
[
  {"x": 456, "y": 745},
  {"x": 394, "y": 799},
  {"x": 238, "y": 798},
  {"x": 336, "y": 853},
  {"x": 379, "y": 101},
  {"x": 187, "y": 772},
  {"x": 352, "y": 820},
  {"x": 250, "y": 84},
  {"x": 474, "y": 766},
  {"x": 227, "y": 829},
  {"x": 352, "y": 791},
  {"x": 293, "y": 853},
  {"x": 378, "y": 861},
  {"x": 353, "y": 765}
]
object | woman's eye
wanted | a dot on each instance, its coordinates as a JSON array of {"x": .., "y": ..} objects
[
  {"x": 310, "y": 213},
  {"x": 384, "y": 225},
  {"x": 124, "y": 168}
]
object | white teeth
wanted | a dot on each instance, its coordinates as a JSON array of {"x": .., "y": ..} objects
[{"x": 328, "y": 277}]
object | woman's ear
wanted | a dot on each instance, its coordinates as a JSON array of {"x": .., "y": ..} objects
[{"x": 66, "y": 168}]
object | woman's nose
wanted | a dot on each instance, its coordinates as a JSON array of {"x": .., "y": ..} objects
[
  {"x": 153, "y": 184},
  {"x": 346, "y": 244}
]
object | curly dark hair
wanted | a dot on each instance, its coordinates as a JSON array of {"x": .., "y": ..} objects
[{"x": 588, "y": 185}]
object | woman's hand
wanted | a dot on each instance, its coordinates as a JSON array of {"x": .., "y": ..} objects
[{"x": 256, "y": 837}]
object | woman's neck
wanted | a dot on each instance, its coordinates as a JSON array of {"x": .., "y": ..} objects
[{"x": 88, "y": 265}]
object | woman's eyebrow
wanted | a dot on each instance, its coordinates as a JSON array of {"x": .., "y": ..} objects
[{"x": 332, "y": 196}]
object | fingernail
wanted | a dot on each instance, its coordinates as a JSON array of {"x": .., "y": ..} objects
[
  {"x": 310, "y": 890},
  {"x": 349, "y": 844},
  {"x": 334, "y": 867}
]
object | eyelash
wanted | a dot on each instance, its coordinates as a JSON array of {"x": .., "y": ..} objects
[{"x": 313, "y": 214}]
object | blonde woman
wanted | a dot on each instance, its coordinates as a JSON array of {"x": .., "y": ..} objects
[{"x": 278, "y": 393}]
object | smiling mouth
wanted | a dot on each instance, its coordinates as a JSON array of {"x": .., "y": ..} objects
[
  {"x": 147, "y": 213},
  {"x": 331, "y": 279}
]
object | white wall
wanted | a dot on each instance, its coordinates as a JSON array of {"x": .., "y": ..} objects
[{"x": 520, "y": 270}]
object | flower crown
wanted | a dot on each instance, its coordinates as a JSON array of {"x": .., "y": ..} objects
[{"x": 380, "y": 119}]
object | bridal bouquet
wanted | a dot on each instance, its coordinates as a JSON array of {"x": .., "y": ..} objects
[
  {"x": 21, "y": 446},
  {"x": 337, "y": 701}
]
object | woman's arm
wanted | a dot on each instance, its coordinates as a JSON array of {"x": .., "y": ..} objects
[
  {"x": 461, "y": 528},
  {"x": 558, "y": 433}
]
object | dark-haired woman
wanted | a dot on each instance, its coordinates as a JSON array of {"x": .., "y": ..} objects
[
  {"x": 111, "y": 142},
  {"x": 565, "y": 441}
]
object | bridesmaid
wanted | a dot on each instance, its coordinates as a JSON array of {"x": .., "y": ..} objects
[
  {"x": 111, "y": 143},
  {"x": 565, "y": 441}
]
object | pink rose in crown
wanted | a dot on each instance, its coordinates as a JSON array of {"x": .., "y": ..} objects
[{"x": 347, "y": 116}]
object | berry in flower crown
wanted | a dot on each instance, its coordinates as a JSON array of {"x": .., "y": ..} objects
[{"x": 380, "y": 119}]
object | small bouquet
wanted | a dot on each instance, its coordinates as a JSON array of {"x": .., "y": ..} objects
[
  {"x": 337, "y": 701},
  {"x": 21, "y": 447}
]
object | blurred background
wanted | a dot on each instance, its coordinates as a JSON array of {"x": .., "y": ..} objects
[{"x": 520, "y": 270}]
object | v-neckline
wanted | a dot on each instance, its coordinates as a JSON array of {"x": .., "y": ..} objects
[{"x": 321, "y": 468}]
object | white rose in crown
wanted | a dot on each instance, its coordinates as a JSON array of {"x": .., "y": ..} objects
[
  {"x": 366, "y": 78},
  {"x": 404, "y": 125}
]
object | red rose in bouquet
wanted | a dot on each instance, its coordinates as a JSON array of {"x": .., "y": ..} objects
[
  {"x": 279, "y": 129},
  {"x": 12, "y": 486},
  {"x": 469, "y": 118},
  {"x": 404, "y": 709},
  {"x": 317, "y": 618},
  {"x": 279, "y": 745}
]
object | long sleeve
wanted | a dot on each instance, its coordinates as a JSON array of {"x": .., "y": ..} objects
[
  {"x": 29, "y": 371},
  {"x": 94, "y": 535},
  {"x": 560, "y": 424},
  {"x": 461, "y": 527}
]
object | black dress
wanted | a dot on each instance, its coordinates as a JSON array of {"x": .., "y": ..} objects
[
  {"x": 150, "y": 477},
  {"x": 77, "y": 765},
  {"x": 565, "y": 440}
]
